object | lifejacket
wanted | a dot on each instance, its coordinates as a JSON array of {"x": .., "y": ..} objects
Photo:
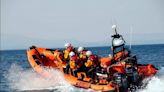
[
  {"x": 82, "y": 55},
  {"x": 67, "y": 51},
  {"x": 74, "y": 60},
  {"x": 120, "y": 55},
  {"x": 89, "y": 63},
  {"x": 92, "y": 61},
  {"x": 66, "y": 54}
]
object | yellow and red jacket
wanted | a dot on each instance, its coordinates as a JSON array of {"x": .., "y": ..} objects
[
  {"x": 67, "y": 51},
  {"x": 74, "y": 60},
  {"x": 92, "y": 61},
  {"x": 66, "y": 54},
  {"x": 83, "y": 56}
]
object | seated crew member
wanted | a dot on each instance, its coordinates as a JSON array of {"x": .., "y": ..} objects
[
  {"x": 82, "y": 57},
  {"x": 82, "y": 53},
  {"x": 74, "y": 63},
  {"x": 91, "y": 65},
  {"x": 68, "y": 49}
]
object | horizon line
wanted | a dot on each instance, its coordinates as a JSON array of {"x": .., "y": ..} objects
[{"x": 86, "y": 46}]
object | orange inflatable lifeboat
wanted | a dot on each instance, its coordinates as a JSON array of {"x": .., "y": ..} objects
[
  {"x": 42, "y": 57},
  {"x": 116, "y": 73}
]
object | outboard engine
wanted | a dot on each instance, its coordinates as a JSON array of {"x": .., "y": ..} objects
[
  {"x": 120, "y": 80},
  {"x": 131, "y": 70}
]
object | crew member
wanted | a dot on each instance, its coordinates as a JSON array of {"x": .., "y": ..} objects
[
  {"x": 74, "y": 63},
  {"x": 82, "y": 53},
  {"x": 83, "y": 58},
  {"x": 68, "y": 49},
  {"x": 91, "y": 65}
]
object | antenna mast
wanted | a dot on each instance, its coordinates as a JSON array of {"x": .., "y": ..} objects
[{"x": 131, "y": 29}]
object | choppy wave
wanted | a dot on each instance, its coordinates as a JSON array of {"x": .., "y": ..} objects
[{"x": 24, "y": 80}]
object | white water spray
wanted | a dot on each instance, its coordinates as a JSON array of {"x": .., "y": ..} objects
[
  {"x": 156, "y": 84},
  {"x": 27, "y": 80}
]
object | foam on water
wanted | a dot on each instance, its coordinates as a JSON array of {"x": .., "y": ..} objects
[
  {"x": 21, "y": 80},
  {"x": 156, "y": 84}
]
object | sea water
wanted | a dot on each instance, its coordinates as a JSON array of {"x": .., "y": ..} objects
[{"x": 17, "y": 75}]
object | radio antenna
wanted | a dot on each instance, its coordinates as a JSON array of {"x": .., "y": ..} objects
[{"x": 130, "y": 44}]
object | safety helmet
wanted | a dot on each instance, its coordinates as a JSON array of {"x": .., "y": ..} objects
[
  {"x": 71, "y": 54},
  {"x": 88, "y": 53},
  {"x": 80, "y": 49},
  {"x": 67, "y": 45}
]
